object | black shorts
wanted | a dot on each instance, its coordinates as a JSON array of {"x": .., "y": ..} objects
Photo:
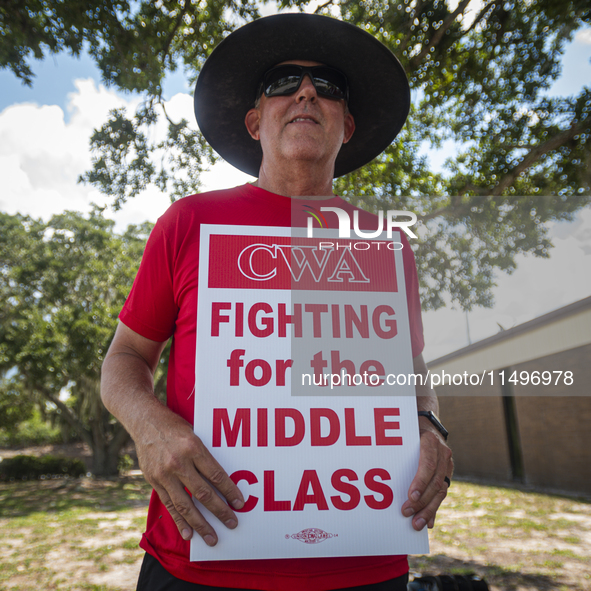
[{"x": 154, "y": 577}]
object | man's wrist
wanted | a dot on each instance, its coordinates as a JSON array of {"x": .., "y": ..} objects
[
  {"x": 429, "y": 421},
  {"x": 426, "y": 427}
]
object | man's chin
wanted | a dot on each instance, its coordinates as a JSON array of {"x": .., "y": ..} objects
[{"x": 306, "y": 150}]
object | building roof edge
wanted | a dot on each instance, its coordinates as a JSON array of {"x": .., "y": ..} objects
[{"x": 503, "y": 335}]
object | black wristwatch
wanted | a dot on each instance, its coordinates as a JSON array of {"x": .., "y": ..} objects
[{"x": 436, "y": 422}]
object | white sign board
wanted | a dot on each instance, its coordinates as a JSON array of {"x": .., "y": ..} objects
[{"x": 324, "y": 467}]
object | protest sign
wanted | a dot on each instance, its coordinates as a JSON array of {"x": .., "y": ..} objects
[{"x": 297, "y": 339}]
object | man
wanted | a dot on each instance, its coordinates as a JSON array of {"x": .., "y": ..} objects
[{"x": 328, "y": 98}]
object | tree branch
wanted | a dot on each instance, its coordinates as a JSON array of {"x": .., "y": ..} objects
[
  {"x": 410, "y": 31},
  {"x": 527, "y": 162},
  {"x": 536, "y": 153},
  {"x": 69, "y": 416},
  {"x": 322, "y": 6},
  {"x": 447, "y": 23},
  {"x": 161, "y": 103},
  {"x": 454, "y": 206},
  {"x": 435, "y": 214},
  {"x": 481, "y": 15},
  {"x": 170, "y": 39}
]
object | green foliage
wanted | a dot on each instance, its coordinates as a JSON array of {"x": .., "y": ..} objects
[
  {"x": 125, "y": 463},
  {"x": 133, "y": 43},
  {"x": 14, "y": 406},
  {"x": 28, "y": 467},
  {"x": 126, "y": 160},
  {"x": 30, "y": 430},
  {"x": 481, "y": 81},
  {"x": 523, "y": 156},
  {"x": 62, "y": 285},
  {"x": 38, "y": 27}
]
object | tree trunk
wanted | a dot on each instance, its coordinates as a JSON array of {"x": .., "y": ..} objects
[
  {"x": 104, "y": 464},
  {"x": 105, "y": 452}
]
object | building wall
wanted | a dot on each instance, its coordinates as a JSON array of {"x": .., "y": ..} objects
[
  {"x": 477, "y": 432},
  {"x": 555, "y": 441},
  {"x": 553, "y": 430}
]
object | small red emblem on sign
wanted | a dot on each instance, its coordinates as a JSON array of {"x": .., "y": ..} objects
[{"x": 311, "y": 535}]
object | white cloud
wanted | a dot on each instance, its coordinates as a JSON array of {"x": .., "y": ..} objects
[
  {"x": 40, "y": 158},
  {"x": 89, "y": 106},
  {"x": 42, "y": 155},
  {"x": 583, "y": 36},
  {"x": 224, "y": 176},
  {"x": 180, "y": 106}
]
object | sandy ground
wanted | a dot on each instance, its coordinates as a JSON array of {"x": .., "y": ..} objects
[{"x": 516, "y": 540}]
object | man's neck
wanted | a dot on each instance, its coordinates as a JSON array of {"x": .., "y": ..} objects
[{"x": 300, "y": 180}]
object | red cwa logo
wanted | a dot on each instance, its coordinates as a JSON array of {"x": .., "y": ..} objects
[{"x": 260, "y": 262}]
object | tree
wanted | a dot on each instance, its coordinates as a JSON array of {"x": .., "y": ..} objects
[
  {"x": 523, "y": 156},
  {"x": 62, "y": 285},
  {"x": 134, "y": 44}
]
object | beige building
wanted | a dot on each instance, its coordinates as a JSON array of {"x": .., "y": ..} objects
[{"x": 529, "y": 420}]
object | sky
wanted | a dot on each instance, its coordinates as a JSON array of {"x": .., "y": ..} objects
[{"x": 44, "y": 147}]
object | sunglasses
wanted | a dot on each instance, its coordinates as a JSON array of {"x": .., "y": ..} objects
[{"x": 285, "y": 80}]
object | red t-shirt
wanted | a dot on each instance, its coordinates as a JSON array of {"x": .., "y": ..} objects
[{"x": 163, "y": 303}]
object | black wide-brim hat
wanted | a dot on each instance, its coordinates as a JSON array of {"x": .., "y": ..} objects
[{"x": 379, "y": 94}]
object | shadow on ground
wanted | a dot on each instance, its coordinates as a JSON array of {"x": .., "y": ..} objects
[
  {"x": 497, "y": 577},
  {"x": 63, "y": 494}
]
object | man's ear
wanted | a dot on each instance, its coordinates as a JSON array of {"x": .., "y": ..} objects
[
  {"x": 253, "y": 122},
  {"x": 349, "y": 127}
]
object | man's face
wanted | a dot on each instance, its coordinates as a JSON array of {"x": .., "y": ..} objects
[{"x": 302, "y": 126}]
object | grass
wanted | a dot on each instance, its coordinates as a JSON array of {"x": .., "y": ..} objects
[
  {"x": 78, "y": 535},
  {"x": 516, "y": 540},
  {"x": 87, "y": 529}
]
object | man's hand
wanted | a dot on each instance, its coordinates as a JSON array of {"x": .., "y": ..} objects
[
  {"x": 428, "y": 488},
  {"x": 172, "y": 458},
  {"x": 175, "y": 460}
]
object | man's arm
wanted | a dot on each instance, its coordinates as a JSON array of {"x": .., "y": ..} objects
[
  {"x": 428, "y": 488},
  {"x": 171, "y": 456}
]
